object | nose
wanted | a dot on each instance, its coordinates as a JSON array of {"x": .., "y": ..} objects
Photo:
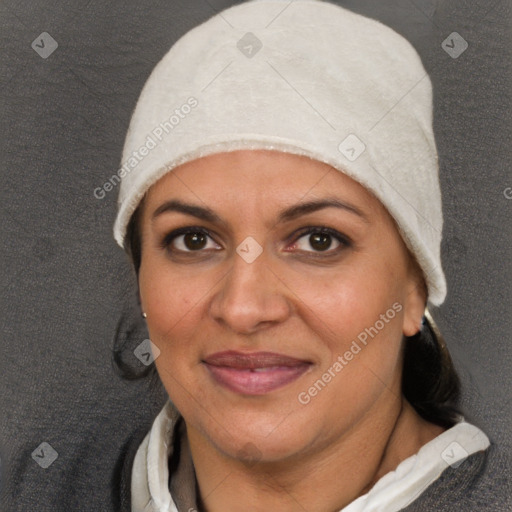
[{"x": 252, "y": 296}]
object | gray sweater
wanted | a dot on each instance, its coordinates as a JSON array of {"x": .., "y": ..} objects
[{"x": 483, "y": 482}]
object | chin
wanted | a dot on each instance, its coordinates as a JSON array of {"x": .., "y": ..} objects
[
  {"x": 259, "y": 436},
  {"x": 265, "y": 449}
]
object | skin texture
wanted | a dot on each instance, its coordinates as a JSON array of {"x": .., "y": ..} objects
[{"x": 272, "y": 451}]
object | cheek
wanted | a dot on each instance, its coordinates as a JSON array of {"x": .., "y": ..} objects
[
  {"x": 172, "y": 301},
  {"x": 356, "y": 315},
  {"x": 168, "y": 293},
  {"x": 346, "y": 301}
]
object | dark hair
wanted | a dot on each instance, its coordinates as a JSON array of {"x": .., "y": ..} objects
[
  {"x": 429, "y": 380},
  {"x": 129, "y": 333}
]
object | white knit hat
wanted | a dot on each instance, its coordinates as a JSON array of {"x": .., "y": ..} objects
[{"x": 308, "y": 78}]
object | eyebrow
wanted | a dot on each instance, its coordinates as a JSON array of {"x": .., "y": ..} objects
[
  {"x": 320, "y": 204},
  {"x": 287, "y": 215},
  {"x": 196, "y": 211}
]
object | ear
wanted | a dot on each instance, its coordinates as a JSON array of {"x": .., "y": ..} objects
[{"x": 416, "y": 300}]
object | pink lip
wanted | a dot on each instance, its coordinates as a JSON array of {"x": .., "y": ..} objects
[{"x": 256, "y": 373}]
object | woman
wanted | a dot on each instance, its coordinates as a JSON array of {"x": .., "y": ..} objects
[{"x": 280, "y": 203}]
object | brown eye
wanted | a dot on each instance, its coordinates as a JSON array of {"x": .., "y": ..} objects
[
  {"x": 316, "y": 240},
  {"x": 187, "y": 240},
  {"x": 194, "y": 241},
  {"x": 320, "y": 241}
]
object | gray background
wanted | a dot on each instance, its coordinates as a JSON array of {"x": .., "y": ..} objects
[{"x": 66, "y": 285}]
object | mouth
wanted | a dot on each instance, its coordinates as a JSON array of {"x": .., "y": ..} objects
[{"x": 256, "y": 373}]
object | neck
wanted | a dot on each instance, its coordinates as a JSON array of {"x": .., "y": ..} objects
[{"x": 320, "y": 480}]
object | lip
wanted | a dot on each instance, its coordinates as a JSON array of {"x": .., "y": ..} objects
[{"x": 255, "y": 373}]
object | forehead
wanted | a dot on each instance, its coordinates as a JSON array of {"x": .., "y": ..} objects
[{"x": 265, "y": 177}]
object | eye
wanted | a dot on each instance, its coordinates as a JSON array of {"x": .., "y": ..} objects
[
  {"x": 321, "y": 240},
  {"x": 189, "y": 239}
]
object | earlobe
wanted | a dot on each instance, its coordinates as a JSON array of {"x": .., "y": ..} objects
[
  {"x": 414, "y": 309},
  {"x": 412, "y": 325}
]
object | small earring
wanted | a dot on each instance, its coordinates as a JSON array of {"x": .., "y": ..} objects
[{"x": 144, "y": 315}]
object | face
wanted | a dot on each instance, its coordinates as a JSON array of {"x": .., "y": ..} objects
[{"x": 277, "y": 290}]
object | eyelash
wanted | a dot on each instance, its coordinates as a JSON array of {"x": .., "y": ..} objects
[{"x": 343, "y": 240}]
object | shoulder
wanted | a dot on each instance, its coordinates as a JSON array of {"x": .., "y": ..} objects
[
  {"x": 482, "y": 482},
  {"x": 122, "y": 475}
]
